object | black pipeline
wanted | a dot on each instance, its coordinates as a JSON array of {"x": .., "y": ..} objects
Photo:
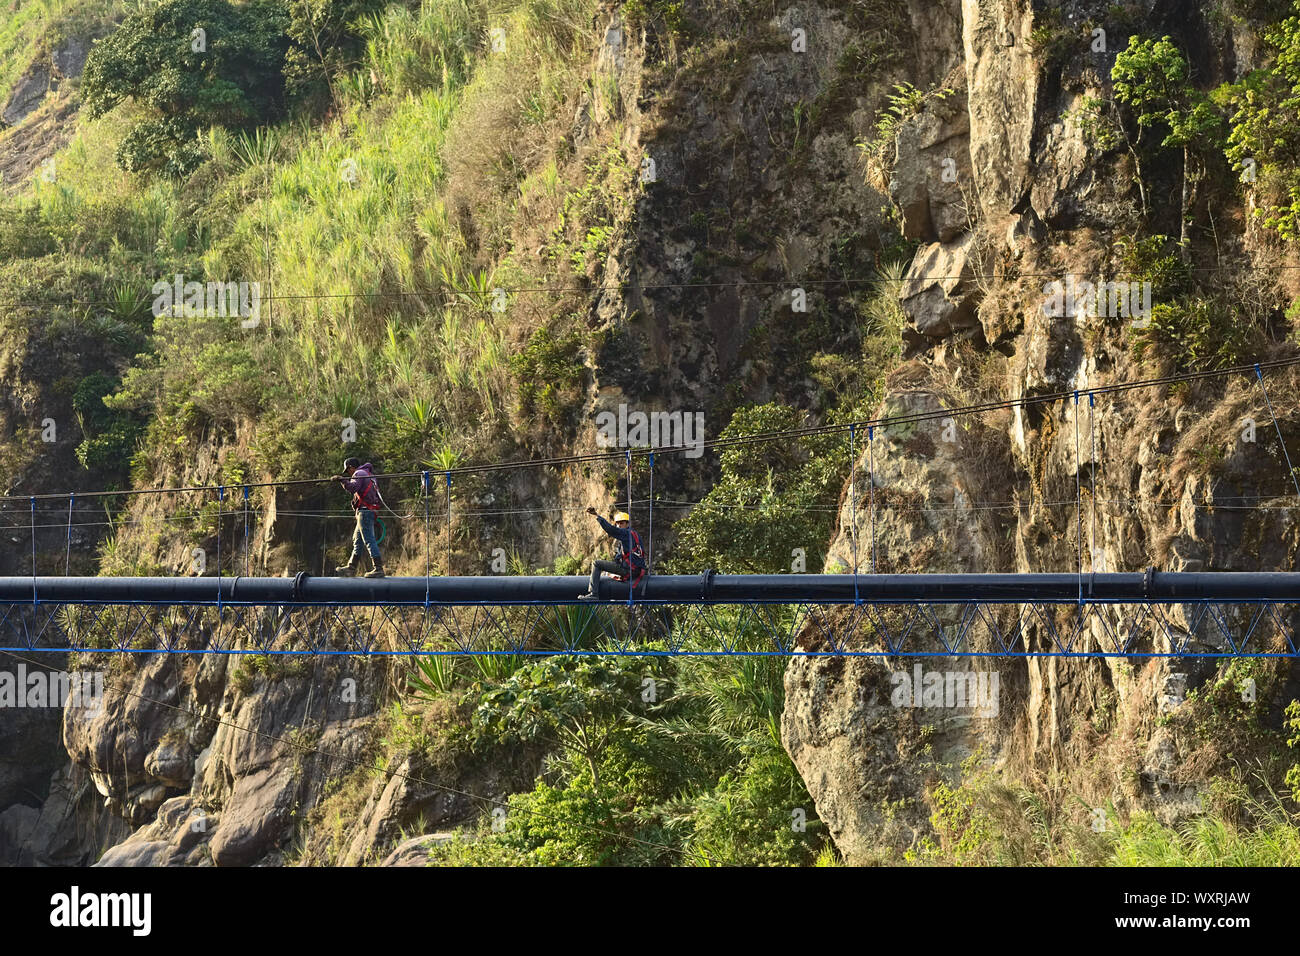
[{"x": 1150, "y": 587}]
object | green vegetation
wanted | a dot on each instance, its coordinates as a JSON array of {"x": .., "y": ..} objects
[
  {"x": 550, "y": 376},
  {"x": 581, "y": 701},
  {"x": 1199, "y": 332},
  {"x": 1153, "y": 77},
  {"x": 330, "y": 197},
  {"x": 652, "y": 761},
  {"x": 1293, "y": 727},
  {"x": 649, "y": 759},
  {"x": 1194, "y": 324},
  {"x": 904, "y": 102},
  {"x": 1234, "y": 138},
  {"x": 765, "y": 506},
  {"x": 110, "y": 436},
  {"x": 428, "y": 215},
  {"x": 193, "y": 64},
  {"x": 325, "y": 42},
  {"x": 1249, "y": 124},
  {"x": 670, "y": 13},
  {"x": 981, "y": 821},
  {"x": 32, "y": 29},
  {"x": 1264, "y": 143},
  {"x": 857, "y": 381},
  {"x": 423, "y": 128},
  {"x": 1207, "y": 841},
  {"x": 1053, "y": 38}
]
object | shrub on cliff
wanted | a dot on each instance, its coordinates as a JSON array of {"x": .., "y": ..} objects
[{"x": 190, "y": 64}]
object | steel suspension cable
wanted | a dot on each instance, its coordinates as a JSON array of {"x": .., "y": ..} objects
[
  {"x": 650, "y": 529},
  {"x": 451, "y": 289},
  {"x": 35, "y": 600},
  {"x": 630, "y": 590},
  {"x": 871, "y": 491},
  {"x": 1078, "y": 495},
  {"x": 221, "y": 497},
  {"x": 1092, "y": 427},
  {"x": 758, "y": 438},
  {"x": 67, "y": 558},
  {"x": 428, "y": 568},
  {"x": 1290, "y": 470},
  {"x": 853, "y": 509}
]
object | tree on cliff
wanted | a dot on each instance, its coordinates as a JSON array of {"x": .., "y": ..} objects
[
  {"x": 1153, "y": 78},
  {"x": 191, "y": 64},
  {"x": 1265, "y": 139}
]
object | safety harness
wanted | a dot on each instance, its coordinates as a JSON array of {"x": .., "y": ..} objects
[
  {"x": 369, "y": 496},
  {"x": 632, "y": 560}
]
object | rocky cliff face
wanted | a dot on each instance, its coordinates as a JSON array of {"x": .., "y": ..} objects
[
  {"x": 760, "y": 179},
  {"x": 41, "y": 362},
  {"x": 226, "y": 761},
  {"x": 1032, "y": 199}
]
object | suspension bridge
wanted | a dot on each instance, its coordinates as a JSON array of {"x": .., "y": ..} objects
[
  {"x": 1079, "y": 613},
  {"x": 1124, "y": 615}
]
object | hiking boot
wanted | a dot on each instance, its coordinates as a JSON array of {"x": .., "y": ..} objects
[
  {"x": 375, "y": 572},
  {"x": 346, "y": 570}
]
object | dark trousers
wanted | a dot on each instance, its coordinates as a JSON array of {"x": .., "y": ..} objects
[{"x": 613, "y": 567}]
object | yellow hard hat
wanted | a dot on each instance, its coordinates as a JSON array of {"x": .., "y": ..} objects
[{"x": 622, "y": 516}]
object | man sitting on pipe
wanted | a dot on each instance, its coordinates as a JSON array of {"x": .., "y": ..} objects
[{"x": 629, "y": 556}]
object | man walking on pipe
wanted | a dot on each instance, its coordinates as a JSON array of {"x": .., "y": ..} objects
[{"x": 366, "y": 503}]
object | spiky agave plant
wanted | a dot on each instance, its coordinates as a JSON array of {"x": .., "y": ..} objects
[
  {"x": 434, "y": 675},
  {"x": 345, "y": 404},
  {"x": 883, "y": 314},
  {"x": 397, "y": 354},
  {"x": 415, "y": 416},
  {"x": 444, "y": 459},
  {"x": 108, "y": 328},
  {"x": 127, "y": 303},
  {"x": 403, "y": 366},
  {"x": 489, "y": 359},
  {"x": 497, "y": 667},
  {"x": 449, "y": 333},
  {"x": 256, "y": 148},
  {"x": 740, "y": 700},
  {"x": 472, "y": 288},
  {"x": 454, "y": 369},
  {"x": 570, "y": 626}
]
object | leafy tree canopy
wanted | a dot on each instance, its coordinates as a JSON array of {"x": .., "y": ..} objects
[
  {"x": 1265, "y": 136},
  {"x": 582, "y": 701},
  {"x": 325, "y": 37},
  {"x": 192, "y": 64},
  {"x": 1153, "y": 77}
]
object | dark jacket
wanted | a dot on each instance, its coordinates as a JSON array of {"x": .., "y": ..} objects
[{"x": 629, "y": 544}]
